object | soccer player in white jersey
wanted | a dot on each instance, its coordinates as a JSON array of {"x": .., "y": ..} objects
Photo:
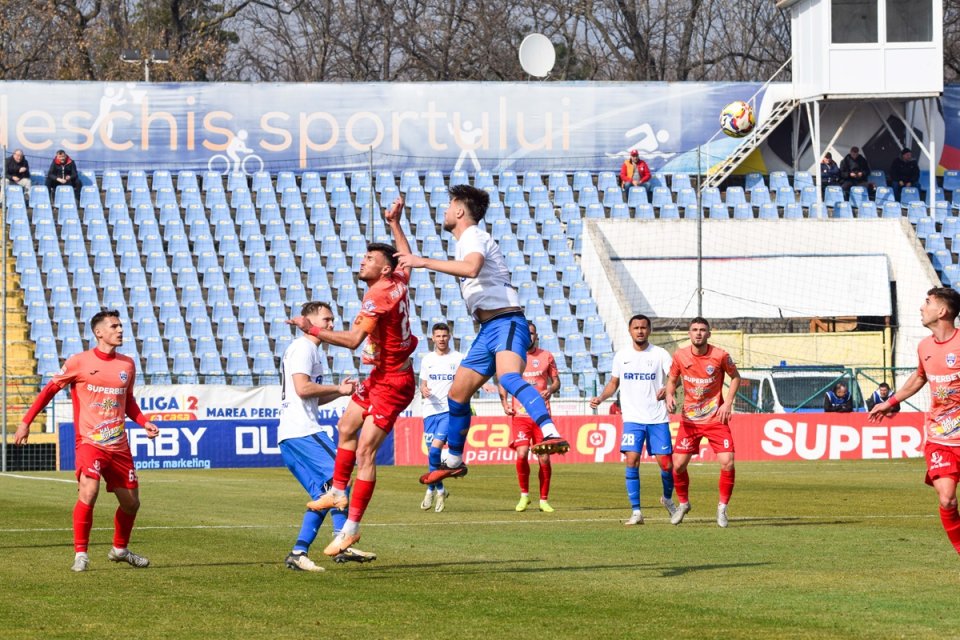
[
  {"x": 502, "y": 343},
  {"x": 306, "y": 446},
  {"x": 640, "y": 372},
  {"x": 436, "y": 375}
]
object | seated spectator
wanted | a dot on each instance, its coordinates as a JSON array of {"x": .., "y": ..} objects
[
  {"x": 829, "y": 171},
  {"x": 63, "y": 170},
  {"x": 18, "y": 171},
  {"x": 839, "y": 400},
  {"x": 881, "y": 395},
  {"x": 634, "y": 172},
  {"x": 904, "y": 172},
  {"x": 855, "y": 171}
]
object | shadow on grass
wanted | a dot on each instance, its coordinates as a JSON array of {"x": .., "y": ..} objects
[
  {"x": 488, "y": 567},
  {"x": 674, "y": 572},
  {"x": 781, "y": 521}
]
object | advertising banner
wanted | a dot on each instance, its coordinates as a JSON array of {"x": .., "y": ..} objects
[{"x": 804, "y": 436}]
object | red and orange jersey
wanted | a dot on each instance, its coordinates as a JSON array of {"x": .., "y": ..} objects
[
  {"x": 702, "y": 378},
  {"x": 101, "y": 386},
  {"x": 385, "y": 316},
  {"x": 939, "y": 363},
  {"x": 540, "y": 370}
]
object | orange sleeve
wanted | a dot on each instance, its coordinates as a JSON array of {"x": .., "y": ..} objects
[
  {"x": 68, "y": 372},
  {"x": 552, "y": 370},
  {"x": 367, "y": 322},
  {"x": 675, "y": 366}
]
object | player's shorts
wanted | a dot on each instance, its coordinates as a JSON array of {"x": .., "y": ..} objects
[
  {"x": 435, "y": 427},
  {"x": 942, "y": 462},
  {"x": 385, "y": 396},
  {"x": 508, "y": 332},
  {"x": 310, "y": 460},
  {"x": 526, "y": 432},
  {"x": 113, "y": 465},
  {"x": 656, "y": 436},
  {"x": 690, "y": 434}
]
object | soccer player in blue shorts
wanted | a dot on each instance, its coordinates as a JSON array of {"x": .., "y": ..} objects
[
  {"x": 306, "y": 446},
  {"x": 502, "y": 343},
  {"x": 640, "y": 372}
]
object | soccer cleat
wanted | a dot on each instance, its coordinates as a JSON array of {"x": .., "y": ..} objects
[
  {"x": 681, "y": 510},
  {"x": 351, "y": 554},
  {"x": 443, "y": 473},
  {"x": 341, "y": 543},
  {"x": 722, "y": 519},
  {"x": 427, "y": 500},
  {"x": 523, "y": 504},
  {"x": 300, "y": 562},
  {"x": 545, "y": 507},
  {"x": 329, "y": 500},
  {"x": 441, "y": 500},
  {"x": 81, "y": 562},
  {"x": 668, "y": 505},
  {"x": 130, "y": 558},
  {"x": 635, "y": 518},
  {"x": 551, "y": 444}
]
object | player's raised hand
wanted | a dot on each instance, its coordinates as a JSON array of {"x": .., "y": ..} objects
[
  {"x": 22, "y": 434},
  {"x": 301, "y": 323},
  {"x": 152, "y": 430},
  {"x": 393, "y": 213},
  {"x": 409, "y": 260}
]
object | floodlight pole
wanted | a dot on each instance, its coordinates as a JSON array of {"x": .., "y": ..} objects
[{"x": 3, "y": 319}]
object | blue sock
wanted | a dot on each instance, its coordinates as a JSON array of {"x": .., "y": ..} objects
[
  {"x": 308, "y": 530},
  {"x": 529, "y": 397},
  {"x": 632, "y": 475},
  {"x": 434, "y": 456},
  {"x": 338, "y": 517},
  {"x": 667, "y": 478},
  {"x": 459, "y": 425}
]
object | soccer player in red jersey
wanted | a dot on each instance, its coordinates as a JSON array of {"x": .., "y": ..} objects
[
  {"x": 937, "y": 363},
  {"x": 384, "y": 322},
  {"x": 706, "y": 413},
  {"x": 101, "y": 386},
  {"x": 541, "y": 373}
]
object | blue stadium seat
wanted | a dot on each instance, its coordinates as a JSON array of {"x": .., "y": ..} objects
[
  {"x": 867, "y": 210},
  {"x": 892, "y": 210},
  {"x": 793, "y": 211},
  {"x": 718, "y": 211},
  {"x": 778, "y": 179},
  {"x": 669, "y": 212},
  {"x": 768, "y": 211},
  {"x": 908, "y": 195},
  {"x": 785, "y": 195},
  {"x": 832, "y": 195},
  {"x": 661, "y": 197},
  {"x": 842, "y": 210}
]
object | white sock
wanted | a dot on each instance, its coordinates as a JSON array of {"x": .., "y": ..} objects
[
  {"x": 119, "y": 552},
  {"x": 524, "y": 495},
  {"x": 350, "y": 528},
  {"x": 81, "y": 554},
  {"x": 636, "y": 512},
  {"x": 549, "y": 430},
  {"x": 454, "y": 461}
]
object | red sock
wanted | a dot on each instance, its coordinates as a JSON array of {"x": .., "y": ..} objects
[
  {"x": 726, "y": 485},
  {"x": 360, "y": 498},
  {"x": 343, "y": 466},
  {"x": 122, "y": 526},
  {"x": 82, "y": 523},
  {"x": 546, "y": 470},
  {"x": 951, "y": 524},
  {"x": 523, "y": 473},
  {"x": 681, "y": 482}
]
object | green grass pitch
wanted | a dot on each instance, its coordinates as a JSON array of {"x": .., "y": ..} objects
[{"x": 814, "y": 550}]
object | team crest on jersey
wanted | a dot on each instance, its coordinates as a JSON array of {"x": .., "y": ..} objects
[
  {"x": 123, "y": 376},
  {"x": 536, "y": 363},
  {"x": 710, "y": 369},
  {"x": 369, "y": 305},
  {"x": 951, "y": 359}
]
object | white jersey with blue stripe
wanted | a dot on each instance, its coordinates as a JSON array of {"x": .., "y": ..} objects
[
  {"x": 300, "y": 416},
  {"x": 491, "y": 289},
  {"x": 437, "y": 370},
  {"x": 642, "y": 374}
]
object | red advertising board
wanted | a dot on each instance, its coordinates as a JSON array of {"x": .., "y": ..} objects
[{"x": 793, "y": 436}]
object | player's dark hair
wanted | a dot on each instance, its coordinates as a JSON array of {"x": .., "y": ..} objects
[
  {"x": 949, "y": 297},
  {"x": 310, "y": 308},
  {"x": 102, "y": 315},
  {"x": 698, "y": 320},
  {"x": 837, "y": 386},
  {"x": 530, "y": 325},
  {"x": 476, "y": 200},
  {"x": 640, "y": 316},
  {"x": 387, "y": 250},
  {"x": 440, "y": 326},
  {"x": 883, "y": 385}
]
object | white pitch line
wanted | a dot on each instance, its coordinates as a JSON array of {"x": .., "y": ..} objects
[
  {"x": 489, "y": 523},
  {"x": 14, "y": 475}
]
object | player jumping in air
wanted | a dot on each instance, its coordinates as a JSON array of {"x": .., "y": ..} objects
[
  {"x": 937, "y": 363},
  {"x": 101, "y": 385},
  {"x": 384, "y": 322},
  {"x": 706, "y": 413},
  {"x": 501, "y": 346}
]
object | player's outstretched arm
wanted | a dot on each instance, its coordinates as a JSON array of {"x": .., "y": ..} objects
[
  {"x": 469, "y": 267},
  {"x": 392, "y": 216},
  {"x": 350, "y": 339},
  {"x": 43, "y": 399},
  {"x": 884, "y": 409},
  {"x": 324, "y": 393}
]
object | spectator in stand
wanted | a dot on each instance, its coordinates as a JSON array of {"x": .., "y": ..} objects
[
  {"x": 63, "y": 170},
  {"x": 829, "y": 171},
  {"x": 18, "y": 171},
  {"x": 839, "y": 400},
  {"x": 904, "y": 172},
  {"x": 855, "y": 171},
  {"x": 881, "y": 395},
  {"x": 634, "y": 172}
]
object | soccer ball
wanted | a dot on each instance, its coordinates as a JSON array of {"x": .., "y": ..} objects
[{"x": 737, "y": 119}]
